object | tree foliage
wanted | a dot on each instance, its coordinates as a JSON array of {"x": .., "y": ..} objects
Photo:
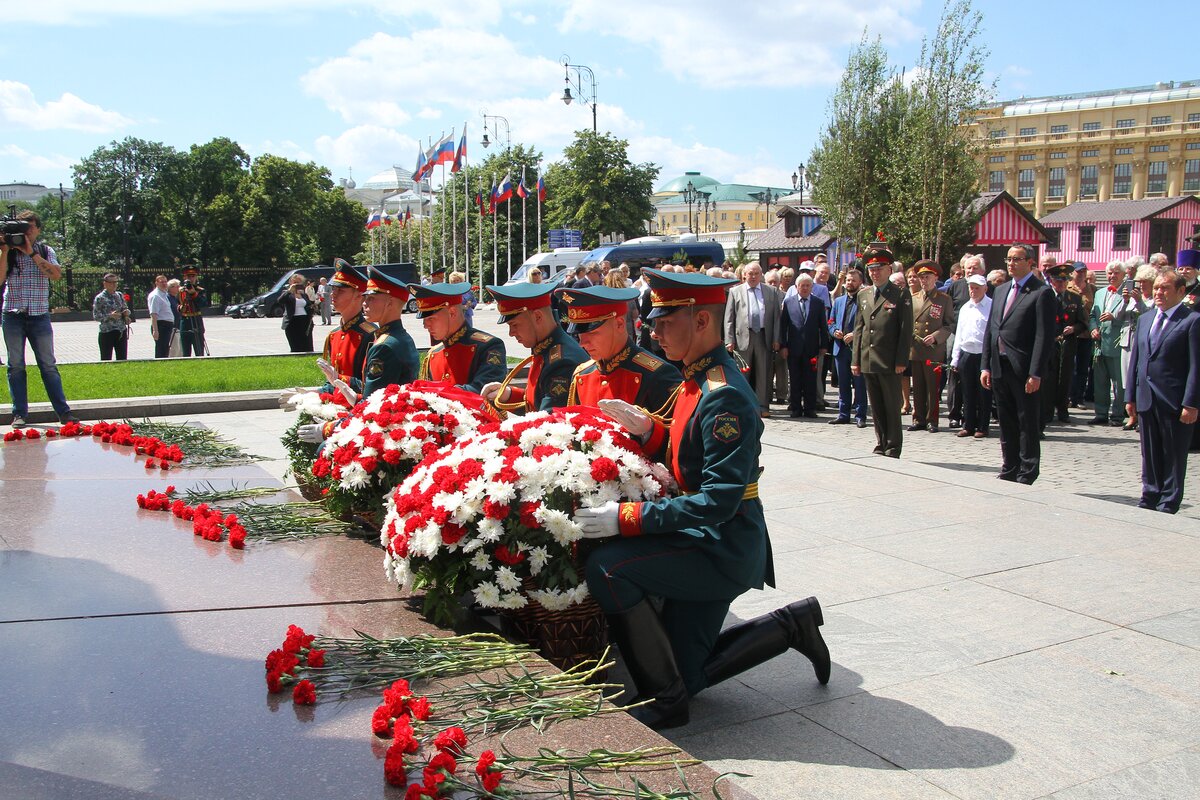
[{"x": 895, "y": 157}]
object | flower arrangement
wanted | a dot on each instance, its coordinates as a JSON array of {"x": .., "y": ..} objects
[
  {"x": 491, "y": 513},
  {"x": 382, "y": 440},
  {"x": 313, "y": 407}
]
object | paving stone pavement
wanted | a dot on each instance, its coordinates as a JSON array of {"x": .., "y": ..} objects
[{"x": 1099, "y": 462}]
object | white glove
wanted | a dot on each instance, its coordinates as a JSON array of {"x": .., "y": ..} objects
[
  {"x": 343, "y": 387},
  {"x": 311, "y": 433},
  {"x": 331, "y": 374},
  {"x": 628, "y": 416},
  {"x": 600, "y": 522},
  {"x": 285, "y": 398},
  {"x": 491, "y": 392}
]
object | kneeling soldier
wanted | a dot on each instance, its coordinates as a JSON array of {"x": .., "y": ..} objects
[
  {"x": 525, "y": 307},
  {"x": 462, "y": 355},
  {"x": 701, "y": 550}
]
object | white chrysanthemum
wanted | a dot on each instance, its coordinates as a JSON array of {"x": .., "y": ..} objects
[
  {"x": 354, "y": 477},
  {"x": 487, "y": 595},
  {"x": 513, "y": 600},
  {"x": 559, "y": 525},
  {"x": 490, "y": 530},
  {"x": 426, "y": 541},
  {"x": 480, "y": 560},
  {"x": 551, "y": 599},
  {"x": 507, "y": 579},
  {"x": 538, "y": 558}
]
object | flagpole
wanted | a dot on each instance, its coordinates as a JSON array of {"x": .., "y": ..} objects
[
  {"x": 508, "y": 232},
  {"x": 524, "y": 238},
  {"x": 495, "y": 233},
  {"x": 481, "y": 233},
  {"x": 538, "y": 189}
]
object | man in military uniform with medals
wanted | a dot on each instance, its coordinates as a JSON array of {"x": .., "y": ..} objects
[
  {"x": 525, "y": 308},
  {"x": 392, "y": 357},
  {"x": 882, "y": 342},
  {"x": 618, "y": 368},
  {"x": 933, "y": 322},
  {"x": 346, "y": 348},
  {"x": 1070, "y": 317},
  {"x": 701, "y": 550},
  {"x": 468, "y": 358}
]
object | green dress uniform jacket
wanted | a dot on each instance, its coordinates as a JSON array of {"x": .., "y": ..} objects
[
  {"x": 933, "y": 313},
  {"x": 883, "y": 330},
  {"x": 392, "y": 358}
]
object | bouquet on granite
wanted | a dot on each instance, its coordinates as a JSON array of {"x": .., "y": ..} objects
[
  {"x": 379, "y": 443},
  {"x": 491, "y": 513}
]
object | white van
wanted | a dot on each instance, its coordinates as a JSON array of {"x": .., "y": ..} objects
[{"x": 550, "y": 263}]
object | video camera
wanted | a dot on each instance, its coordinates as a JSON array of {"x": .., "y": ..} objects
[{"x": 12, "y": 229}]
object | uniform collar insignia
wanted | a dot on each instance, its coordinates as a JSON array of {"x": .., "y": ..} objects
[
  {"x": 543, "y": 345},
  {"x": 614, "y": 362},
  {"x": 454, "y": 338}
]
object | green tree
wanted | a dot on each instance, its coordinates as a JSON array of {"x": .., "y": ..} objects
[
  {"x": 209, "y": 205},
  {"x": 279, "y": 197},
  {"x": 598, "y": 190},
  {"x": 848, "y": 164},
  {"x": 935, "y": 158}
]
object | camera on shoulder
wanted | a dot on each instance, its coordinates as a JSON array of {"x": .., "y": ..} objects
[{"x": 13, "y": 230}]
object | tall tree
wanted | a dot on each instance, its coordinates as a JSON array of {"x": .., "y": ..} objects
[
  {"x": 849, "y": 163},
  {"x": 598, "y": 190},
  {"x": 209, "y": 206},
  {"x": 935, "y": 158}
]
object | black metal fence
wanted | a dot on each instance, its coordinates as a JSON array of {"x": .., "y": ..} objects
[{"x": 225, "y": 285}]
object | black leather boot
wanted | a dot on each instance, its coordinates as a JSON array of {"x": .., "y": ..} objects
[
  {"x": 651, "y": 662},
  {"x": 752, "y": 643}
]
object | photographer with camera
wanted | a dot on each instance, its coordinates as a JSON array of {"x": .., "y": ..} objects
[
  {"x": 26, "y": 269},
  {"x": 112, "y": 312},
  {"x": 192, "y": 298}
]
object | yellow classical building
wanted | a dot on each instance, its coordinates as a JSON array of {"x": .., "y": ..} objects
[{"x": 1132, "y": 143}]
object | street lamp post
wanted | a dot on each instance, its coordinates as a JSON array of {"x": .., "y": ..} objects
[
  {"x": 690, "y": 195},
  {"x": 798, "y": 181},
  {"x": 580, "y": 69},
  {"x": 496, "y": 119},
  {"x": 124, "y": 220}
]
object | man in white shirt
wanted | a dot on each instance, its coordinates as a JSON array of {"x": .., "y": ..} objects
[
  {"x": 967, "y": 358},
  {"x": 162, "y": 320}
]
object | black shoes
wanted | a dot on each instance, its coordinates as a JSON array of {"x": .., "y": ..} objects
[
  {"x": 1097, "y": 421},
  {"x": 916, "y": 426},
  {"x": 933, "y": 428},
  {"x": 651, "y": 662},
  {"x": 840, "y": 421}
]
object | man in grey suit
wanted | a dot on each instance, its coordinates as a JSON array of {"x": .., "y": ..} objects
[
  {"x": 752, "y": 329},
  {"x": 1163, "y": 390}
]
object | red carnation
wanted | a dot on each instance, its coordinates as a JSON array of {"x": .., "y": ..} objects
[
  {"x": 33, "y": 433},
  {"x": 304, "y": 693},
  {"x": 494, "y": 510},
  {"x": 453, "y": 738},
  {"x": 394, "y": 770},
  {"x": 51, "y": 433},
  {"x": 316, "y": 658},
  {"x": 452, "y": 533},
  {"x": 510, "y": 557},
  {"x": 604, "y": 469},
  {"x": 528, "y": 512},
  {"x": 419, "y": 708},
  {"x": 391, "y": 457},
  {"x": 381, "y": 722},
  {"x": 237, "y": 538}
]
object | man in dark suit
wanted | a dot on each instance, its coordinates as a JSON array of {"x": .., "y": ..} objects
[
  {"x": 803, "y": 337},
  {"x": 1016, "y": 349},
  {"x": 1163, "y": 388},
  {"x": 881, "y": 346}
]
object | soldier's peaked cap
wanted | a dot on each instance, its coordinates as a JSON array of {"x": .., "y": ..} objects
[
  {"x": 346, "y": 274},
  {"x": 671, "y": 291},
  {"x": 877, "y": 255},
  {"x": 381, "y": 283},
  {"x": 436, "y": 296},
  {"x": 520, "y": 297},
  {"x": 588, "y": 309}
]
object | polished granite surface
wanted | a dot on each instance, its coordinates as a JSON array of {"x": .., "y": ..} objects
[{"x": 134, "y": 650}]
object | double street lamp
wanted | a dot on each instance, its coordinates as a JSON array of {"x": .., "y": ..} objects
[
  {"x": 584, "y": 97},
  {"x": 691, "y": 195}
]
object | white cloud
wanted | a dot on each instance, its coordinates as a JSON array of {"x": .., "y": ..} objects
[
  {"x": 723, "y": 45},
  {"x": 285, "y": 148},
  {"x": 19, "y": 107},
  {"x": 37, "y": 163},
  {"x": 675, "y": 159},
  {"x": 367, "y": 147},
  {"x": 448, "y": 67}
]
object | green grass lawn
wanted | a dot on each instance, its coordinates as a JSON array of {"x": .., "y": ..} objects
[{"x": 175, "y": 376}]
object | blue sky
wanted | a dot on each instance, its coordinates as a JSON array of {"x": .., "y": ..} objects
[{"x": 737, "y": 90}]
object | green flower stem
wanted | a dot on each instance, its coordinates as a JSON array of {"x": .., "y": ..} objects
[{"x": 201, "y": 446}]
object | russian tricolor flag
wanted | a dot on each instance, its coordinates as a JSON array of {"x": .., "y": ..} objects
[
  {"x": 373, "y": 220},
  {"x": 422, "y": 166},
  {"x": 504, "y": 192},
  {"x": 541, "y": 189},
  {"x": 443, "y": 151},
  {"x": 522, "y": 192},
  {"x": 460, "y": 156}
]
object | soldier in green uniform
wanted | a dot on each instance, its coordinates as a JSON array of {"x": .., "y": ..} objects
[
  {"x": 702, "y": 549},
  {"x": 1070, "y": 317},
  {"x": 933, "y": 322},
  {"x": 392, "y": 356},
  {"x": 525, "y": 307},
  {"x": 468, "y": 358},
  {"x": 882, "y": 341}
]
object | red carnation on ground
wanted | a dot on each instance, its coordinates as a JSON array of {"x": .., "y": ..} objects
[
  {"x": 453, "y": 739},
  {"x": 33, "y": 433},
  {"x": 237, "y": 537},
  {"x": 304, "y": 693}
]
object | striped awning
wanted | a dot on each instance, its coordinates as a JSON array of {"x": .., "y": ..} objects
[{"x": 1004, "y": 225}]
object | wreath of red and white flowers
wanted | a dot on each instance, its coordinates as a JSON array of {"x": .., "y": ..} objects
[{"x": 494, "y": 509}]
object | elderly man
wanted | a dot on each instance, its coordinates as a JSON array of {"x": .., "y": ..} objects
[
  {"x": 1081, "y": 382},
  {"x": 1185, "y": 265},
  {"x": 525, "y": 308},
  {"x": 1159, "y": 261},
  {"x": 882, "y": 342},
  {"x": 966, "y": 359},
  {"x": 467, "y": 358},
  {"x": 1164, "y": 391},
  {"x": 803, "y": 338},
  {"x": 162, "y": 319},
  {"x": 752, "y": 329},
  {"x": 1069, "y": 318},
  {"x": 933, "y": 320},
  {"x": 1108, "y": 324}
]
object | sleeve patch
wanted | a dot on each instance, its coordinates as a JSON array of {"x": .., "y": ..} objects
[
  {"x": 727, "y": 428},
  {"x": 495, "y": 357},
  {"x": 375, "y": 368},
  {"x": 559, "y": 387}
]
